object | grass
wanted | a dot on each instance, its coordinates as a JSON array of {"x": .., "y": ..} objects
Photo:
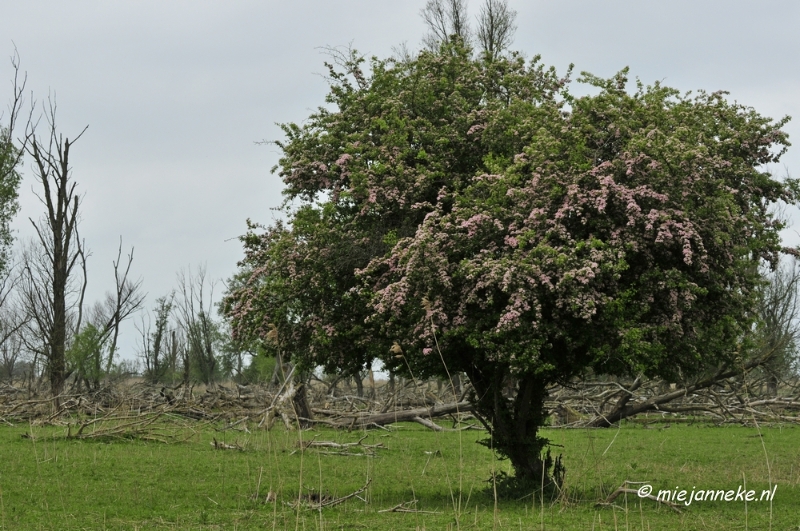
[{"x": 47, "y": 482}]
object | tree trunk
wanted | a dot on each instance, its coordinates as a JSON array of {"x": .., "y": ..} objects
[
  {"x": 373, "y": 393},
  {"x": 359, "y": 385},
  {"x": 514, "y": 423},
  {"x": 772, "y": 385},
  {"x": 457, "y": 386},
  {"x": 301, "y": 406}
]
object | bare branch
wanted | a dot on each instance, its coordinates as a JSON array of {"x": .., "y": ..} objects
[
  {"x": 496, "y": 27},
  {"x": 445, "y": 18}
]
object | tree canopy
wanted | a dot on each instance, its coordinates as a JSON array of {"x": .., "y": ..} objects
[{"x": 452, "y": 213}]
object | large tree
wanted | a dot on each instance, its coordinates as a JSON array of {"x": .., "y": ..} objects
[
  {"x": 10, "y": 159},
  {"x": 452, "y": 213},
  {"x": 52, "y": 293}
]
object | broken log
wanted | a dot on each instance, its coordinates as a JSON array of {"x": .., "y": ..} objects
[{"x": 365, "y": 420}]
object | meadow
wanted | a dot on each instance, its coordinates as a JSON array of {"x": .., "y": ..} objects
[{"x": 415, "y": 478}]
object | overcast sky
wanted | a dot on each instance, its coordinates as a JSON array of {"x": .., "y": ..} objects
[{"x": 176, "y": 94}]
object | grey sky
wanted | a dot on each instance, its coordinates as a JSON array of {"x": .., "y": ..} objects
[{"x": 175, "y": 94}]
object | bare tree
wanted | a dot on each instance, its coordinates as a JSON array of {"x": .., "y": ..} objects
[
  {"x": 496, "y": 27},
  {"x": 445, "y": 18},
  {"x": 91, "y": 355},
  {"x": 118, "y": 306},
  {"x": 12, "y": 319},
  {"x": 49, "y": 269},
  {"x": 159, "y": 346},
  {"x": 201, "y": 332},
  {"x": 777, "y": 331}
]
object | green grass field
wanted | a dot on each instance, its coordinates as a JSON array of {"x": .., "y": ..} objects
[{"x": 47, "y": 482}]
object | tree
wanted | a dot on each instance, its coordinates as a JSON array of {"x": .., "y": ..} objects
[
  {"x": 159, "y": 348},
  {"x": 461, "y": 214},
  {"x": 10, "y": 159},
  {"x": 777, "y": 328},
  {"x": 84, "y": 356},
  {"x": 445, "y": 18},
  {"x": 51, "y": 291},
  {"x": 448, "y": 20},
  {"x": 200, "y": 330},
  {"x": 91, "y": 353},
  {"x": 117, "y": 307},
  {"x": 496, "y": 27}
]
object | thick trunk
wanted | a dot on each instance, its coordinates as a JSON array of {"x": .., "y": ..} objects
[
  {"x": 302, "y": 408},
  {"x": 514, "y": 422},
  {"x": 56, "y": 362}
]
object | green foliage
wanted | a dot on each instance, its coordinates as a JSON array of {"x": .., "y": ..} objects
[
  {"x": 487, "y": 221},
  {"x": 232, "y": 355},
  {"x": 203, "y": 340},
  {"x": 9, "y": 185},
  {"x": 160, "y": 346},
  {"x": 85, "y": 356},
  {"x": 259, "y": 370}
]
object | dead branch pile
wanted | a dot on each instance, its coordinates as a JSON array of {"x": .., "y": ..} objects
[
  {"x": 136, "y": 409},
  {"x": 720, "y": 397}
]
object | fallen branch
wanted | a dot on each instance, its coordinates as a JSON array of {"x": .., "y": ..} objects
[
  {"x": 326, "y": 501},
  {"x": 330, "y": 444},
  {"x": 362, "y": 420},
  {"x": 404, "y": 508},
  {"x": 219, "y": 445}
]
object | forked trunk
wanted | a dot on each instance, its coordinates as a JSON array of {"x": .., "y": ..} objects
[{"x": 514, "y": 423}]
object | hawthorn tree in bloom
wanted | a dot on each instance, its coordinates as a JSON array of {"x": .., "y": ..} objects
[{"x": 475, "y": 213}]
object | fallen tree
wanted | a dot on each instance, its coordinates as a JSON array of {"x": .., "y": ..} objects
[{"x": 365, "y": 420}]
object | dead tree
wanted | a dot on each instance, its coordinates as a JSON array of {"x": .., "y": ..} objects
[
  {"x": 445, "y": 19},
  {"x": 50, "y": 268},
  {"x": 201, "y": 332},
  {"x": 117, "y": 306},
  {"x": 495, "y": 27}
]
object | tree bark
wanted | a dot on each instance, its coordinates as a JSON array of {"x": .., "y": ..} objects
[
  {"x": 514, "y": 423},
  {"x": 58, "y": 236}
]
